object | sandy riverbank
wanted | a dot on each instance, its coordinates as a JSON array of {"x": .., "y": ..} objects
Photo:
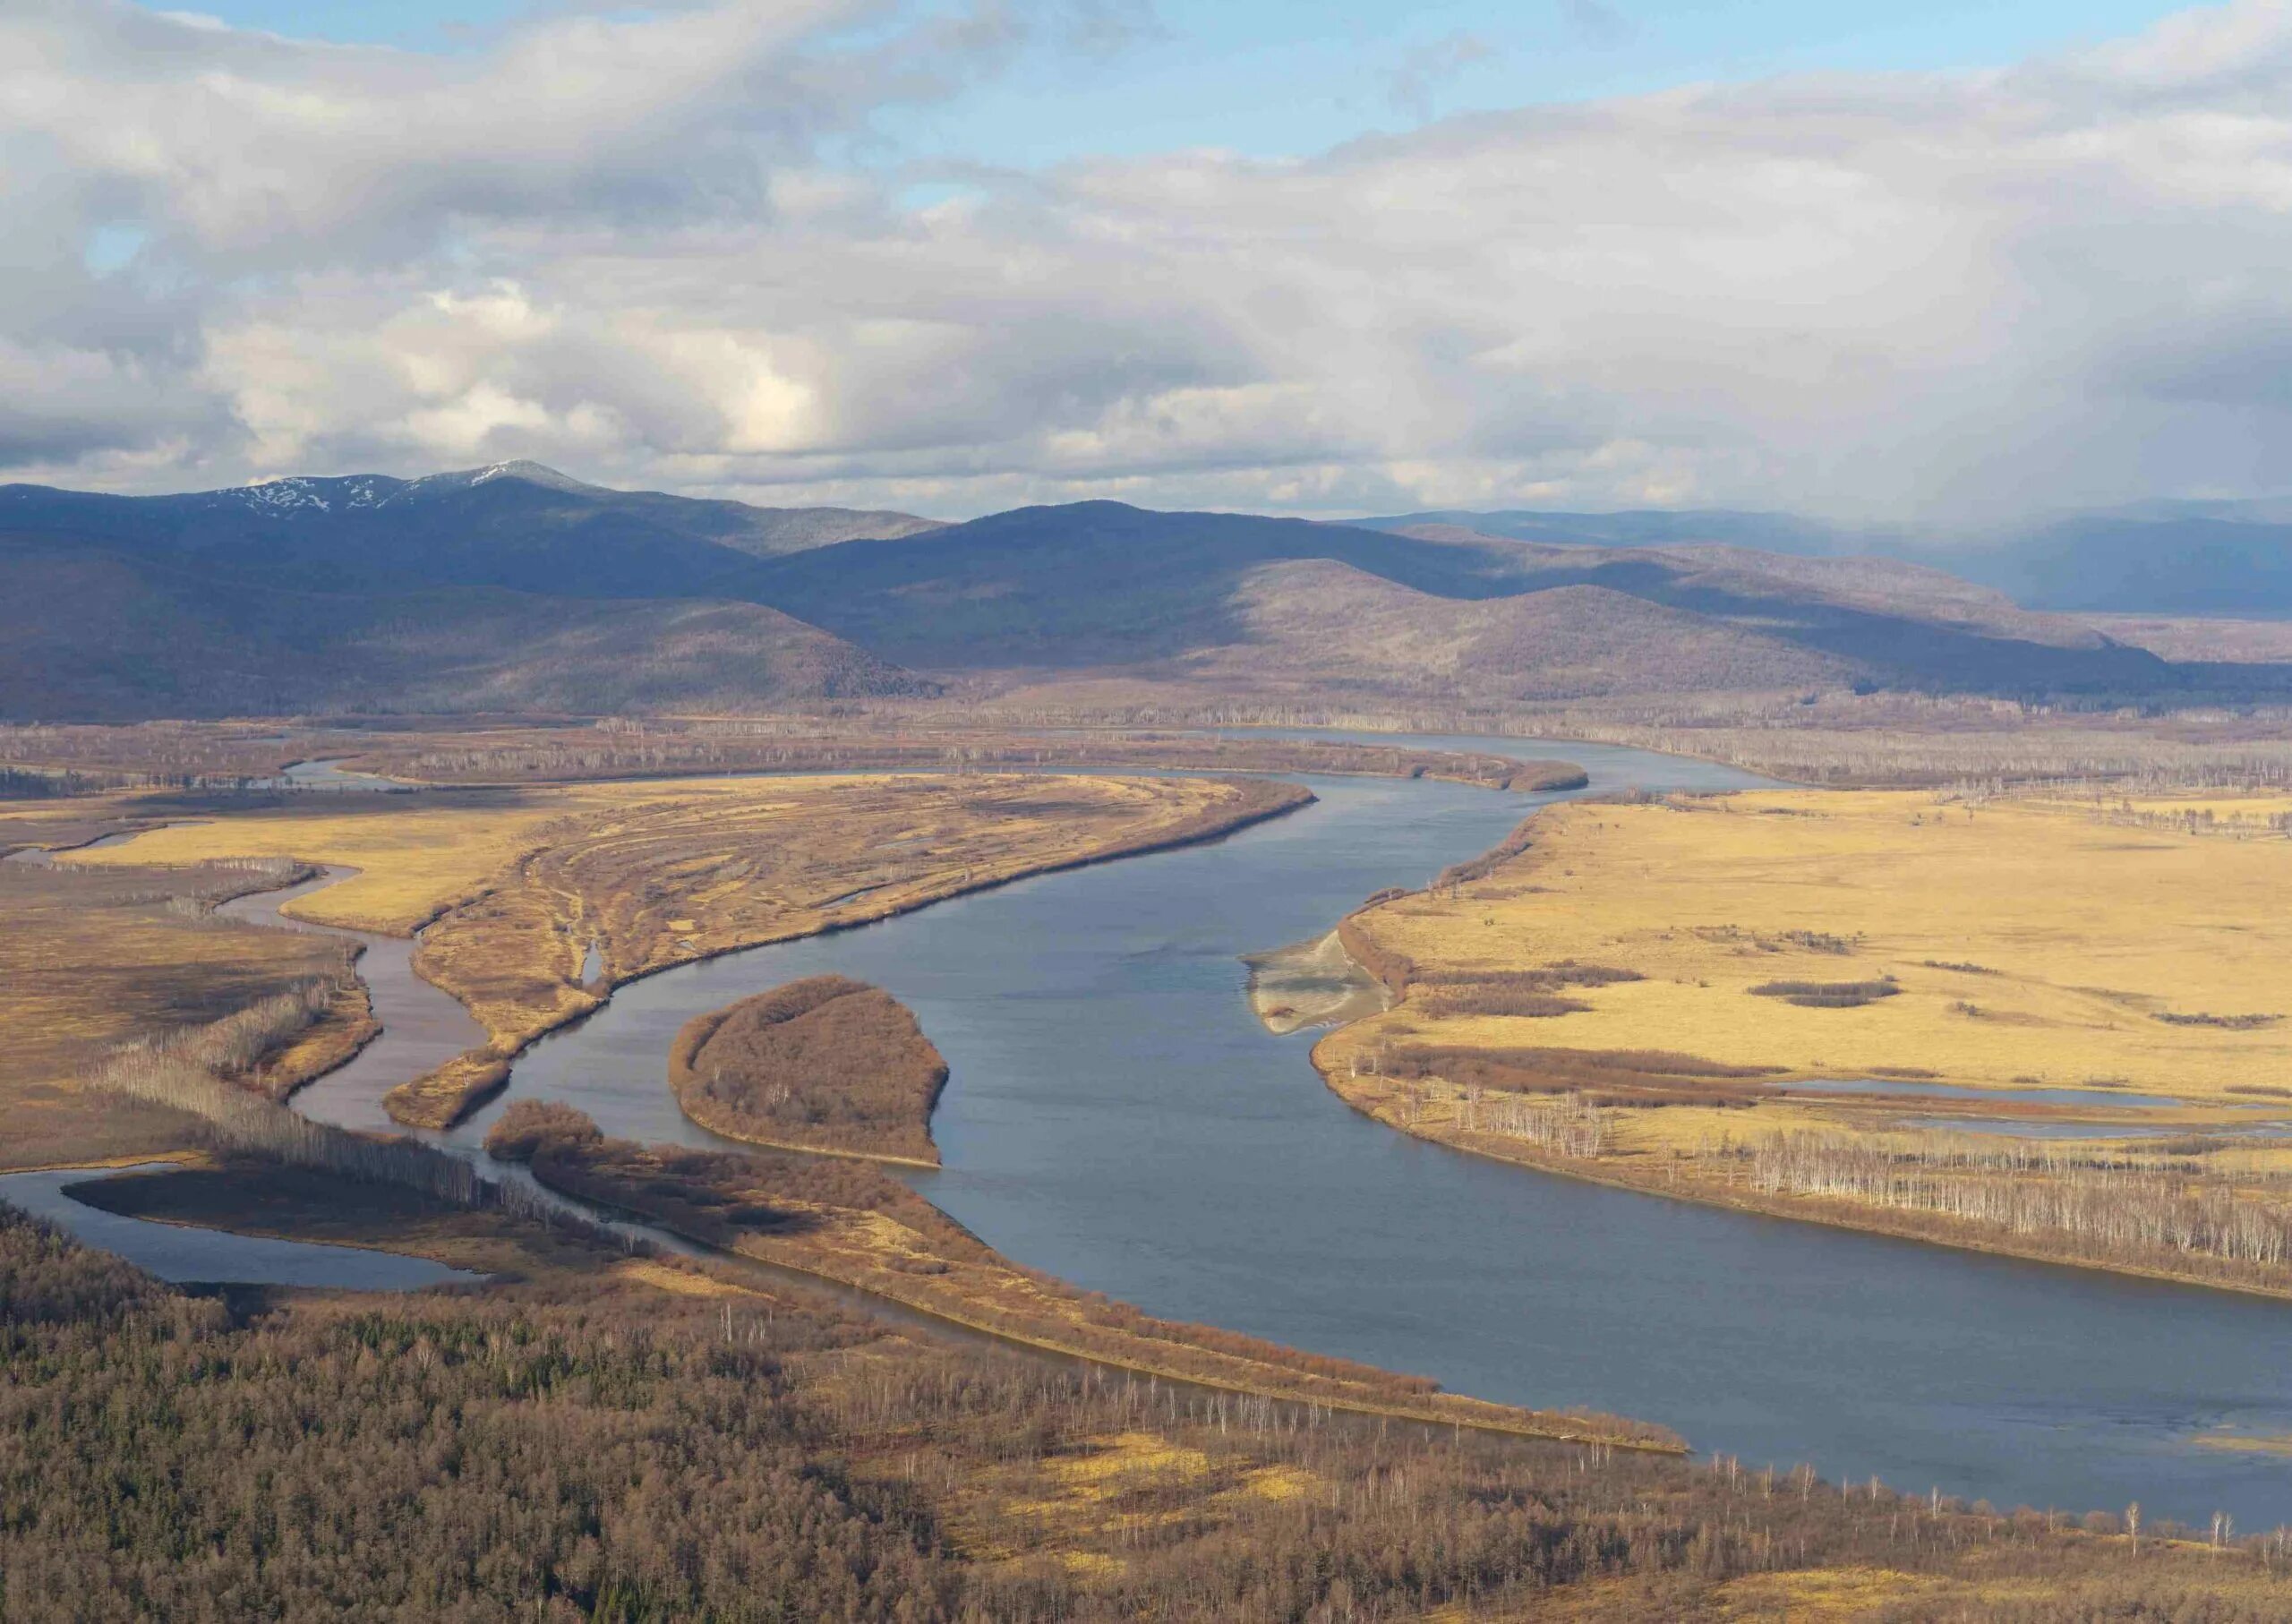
[{"x": 1315, "y": 983}]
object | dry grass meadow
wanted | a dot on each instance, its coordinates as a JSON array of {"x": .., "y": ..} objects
[
  {"x": 1634, "y": 992},
  {"x": 2029, "y": 941}
]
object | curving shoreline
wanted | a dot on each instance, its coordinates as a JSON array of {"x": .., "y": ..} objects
[
  {"x": 870, "y": 1233},
  {"x": 1312, "y": 983},
  {"x": 827, "y": 1064},
  {"x": 444, "y": 1096},
  {"x": 1337, "y": 1059}
]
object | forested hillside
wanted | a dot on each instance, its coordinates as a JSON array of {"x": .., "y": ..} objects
[{"x": 89, "y": 635}]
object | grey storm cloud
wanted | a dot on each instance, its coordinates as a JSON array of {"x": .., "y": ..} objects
[{"x": 623, "y": 244}]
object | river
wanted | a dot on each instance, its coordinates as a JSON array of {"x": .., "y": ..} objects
[{"x": 1117, "y": 1116}]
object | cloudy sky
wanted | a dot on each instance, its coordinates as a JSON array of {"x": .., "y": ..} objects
[{"x": 1944, "y": 262}]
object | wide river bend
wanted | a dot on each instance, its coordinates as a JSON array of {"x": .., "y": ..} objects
[{"x": 1117, "y": 1116}]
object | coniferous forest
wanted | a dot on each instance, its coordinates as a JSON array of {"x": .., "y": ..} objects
[{"x": 651, "y": 1442}]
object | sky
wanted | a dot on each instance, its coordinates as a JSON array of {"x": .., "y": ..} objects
[{"x": 1950, "y": 263}]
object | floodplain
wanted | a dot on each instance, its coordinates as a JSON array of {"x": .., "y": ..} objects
[
  {"x": 512, "y": 889},
  {"x": 2048, "y": 1023}
]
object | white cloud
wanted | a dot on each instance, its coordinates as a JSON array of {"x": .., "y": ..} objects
[{"x": 627, "y": 244}]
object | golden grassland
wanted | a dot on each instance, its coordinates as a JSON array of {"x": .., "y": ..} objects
[
  {"x": 1791, "y": 937},
  {"x": 1113, "y": 1489},
  {"x": 2028, "y": 941},
  {"x": 515, "y": 885},
  {"x": 417, "y": 856}
]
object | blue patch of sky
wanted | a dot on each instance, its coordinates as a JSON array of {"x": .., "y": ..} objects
[
  {"x": 110, "y": 248},
  {"x": 1286, "y": 77}
]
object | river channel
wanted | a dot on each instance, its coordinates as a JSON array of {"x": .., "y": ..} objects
[{"x": 1117, "y": 1116}]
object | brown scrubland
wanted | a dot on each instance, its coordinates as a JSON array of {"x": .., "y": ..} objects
[
  {"x": 1813, "y": 734},
  {"x": 653, "y": 748},
  {"x": 158, "y": 755},
  {"x": 90, "y": 958},
  {"x": 622, "y": 1439},
  {"x": 1816, "y": 733},
  {"x": 824, "y": 1064}
]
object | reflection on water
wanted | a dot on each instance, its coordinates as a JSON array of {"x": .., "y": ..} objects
[
  {"x": 181, "y": 1255},
  {"x": 328, "y": 775},
  {"x": 2011, "y": 1129}
]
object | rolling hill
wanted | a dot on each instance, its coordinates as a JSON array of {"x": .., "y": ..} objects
[
  {"x": 1657, "y": 528},
  {"x": 1100, "y": 584},
  {"x": 2188, "y": 557},
  {"x": 2207, "y": 559},
  {"x": 1318, "y": 627}
]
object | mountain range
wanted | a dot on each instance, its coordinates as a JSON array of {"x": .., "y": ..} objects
[
  {"x": 515, "y": 588},
  {"x": 2188, "y": 557}
]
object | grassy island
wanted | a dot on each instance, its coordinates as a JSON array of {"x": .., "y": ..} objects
[{"x": 826, "y": 1064}]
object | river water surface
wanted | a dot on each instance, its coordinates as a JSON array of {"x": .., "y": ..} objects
[{"x": 1117, "y": 1116}]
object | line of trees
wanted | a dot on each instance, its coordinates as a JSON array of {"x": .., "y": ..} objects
[
  {"x": 2111, "y": 1210},
  {"x": 235, "y": 1045},
  {"x": 1568, "y": 1125},
  {"x": 631, "y": 749},
  {"x": 233, "y": 1119}
]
